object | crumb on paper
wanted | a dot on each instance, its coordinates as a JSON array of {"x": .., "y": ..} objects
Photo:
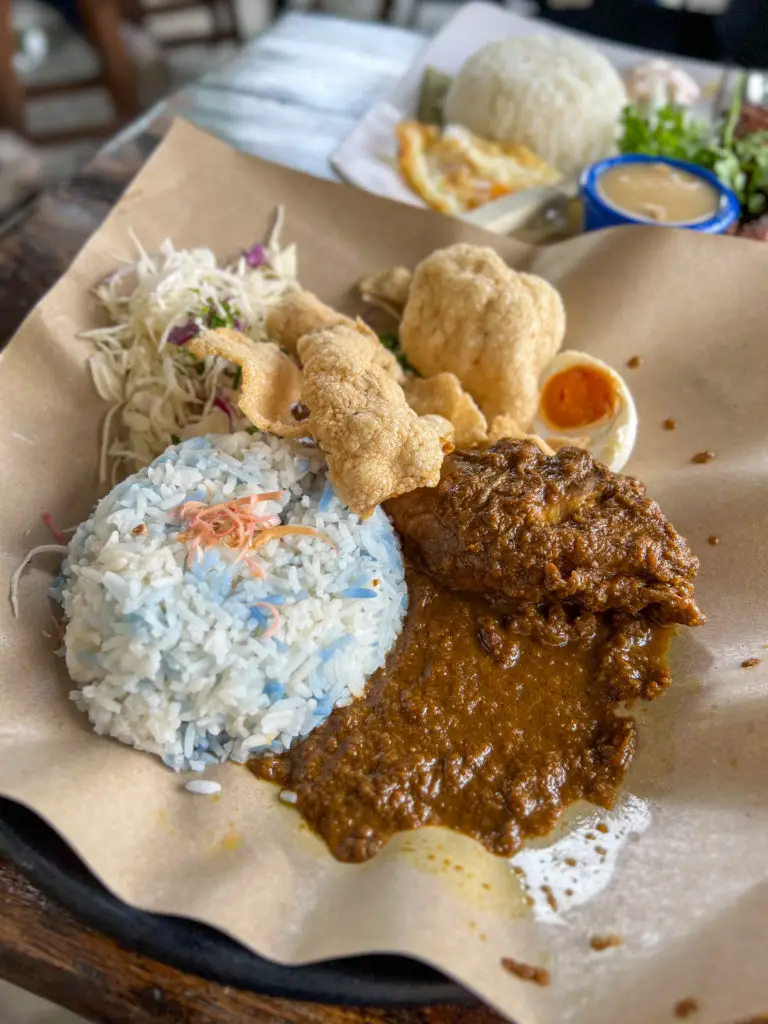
[
  {"x": 713, "y": 540},
  {"x": 526, "y": 972},
  {"x": 634, "y": 362},
  {"x": 669, "y": 424},
  {"x": 700, "y": 458},
  {"x": 443, "y": 395},
  {"x": 271, "y": 382},
  {"x": 601, "y": 850},
  {"x": 750, "y": 662},
  {"x": 571, "y": 862},
  {"x": 470, "y": 314},
  {"x": 375, "y": 444},
  {"x": 550, "y": 897},
  {"x": 686, "y": 1007},
  {"x": 602, "y": 942},
  {"x": 602, "y": 827}
]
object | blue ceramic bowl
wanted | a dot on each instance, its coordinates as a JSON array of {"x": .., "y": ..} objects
[{"x": 599, "y": 213}]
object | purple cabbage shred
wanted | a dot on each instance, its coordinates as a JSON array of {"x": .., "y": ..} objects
[
  {"x": 256, "y": 256},
  {"x": 219, "y": 403},
  {"x": 183, "y": 333}
]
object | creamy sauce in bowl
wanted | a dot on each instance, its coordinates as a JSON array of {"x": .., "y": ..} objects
[{"x": 659, "y": 192}]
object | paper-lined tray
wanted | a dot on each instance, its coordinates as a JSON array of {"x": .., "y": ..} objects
[{"x": 684, "y": 876}]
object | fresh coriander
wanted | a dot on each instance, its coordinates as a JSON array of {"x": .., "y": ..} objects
[
  {"x": 390, "y": 341},
  {"x": 741, "y": 163},
  {"x": 227, "y": 316}
]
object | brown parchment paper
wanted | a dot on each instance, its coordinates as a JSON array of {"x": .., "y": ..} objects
[{"x": 682, "y": 874}]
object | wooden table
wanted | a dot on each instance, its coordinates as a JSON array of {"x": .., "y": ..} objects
[
  {"x": 43, "y": 949},
  {"x": 287, "y": 98}
]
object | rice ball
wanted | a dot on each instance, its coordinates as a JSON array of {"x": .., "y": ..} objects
[
  {"x": 221, "y": 602},
  {"x": 551, "y": 93}
]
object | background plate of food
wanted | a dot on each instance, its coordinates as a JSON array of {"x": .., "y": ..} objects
[
  {"x": 498, "y": 104},
  {"x": 343, "y": 638}
]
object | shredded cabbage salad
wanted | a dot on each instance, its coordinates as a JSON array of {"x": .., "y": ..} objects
[{"x": 159, "y": 393}]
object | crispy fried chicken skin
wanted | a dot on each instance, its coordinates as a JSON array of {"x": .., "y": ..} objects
[
  {"x": 271, "y": 381},
  {"x": 390, "y": 286},
  {"x": 298, "y": 314},
  {"x": 555, "y": 532},
  {"x": 470, "y": 314},
  {"x": 375, "y": 444},
  {"x": 443, "y": 395}
]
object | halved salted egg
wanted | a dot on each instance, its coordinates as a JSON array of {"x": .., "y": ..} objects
[{"x": 583, "y": 401}]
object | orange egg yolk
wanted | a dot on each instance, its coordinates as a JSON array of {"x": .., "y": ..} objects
[{"x": 577, "y": 397}]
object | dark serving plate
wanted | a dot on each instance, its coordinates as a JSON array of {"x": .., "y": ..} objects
[{"x": 46, "y": 859}]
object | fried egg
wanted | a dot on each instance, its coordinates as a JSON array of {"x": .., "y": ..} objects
[
  {"x": 583, "y": 401},
  {"x": 454, "y": 171}
]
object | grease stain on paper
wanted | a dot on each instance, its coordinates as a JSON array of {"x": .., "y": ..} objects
[
  {"x": 164, "y": 822},
  {"x": 465, "y": 867},
  {"x": 231, "y": 840},
  {"x": 572, "y": 870}
]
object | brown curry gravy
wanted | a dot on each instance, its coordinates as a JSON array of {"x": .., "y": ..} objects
[{"x": 472, "y": 726}]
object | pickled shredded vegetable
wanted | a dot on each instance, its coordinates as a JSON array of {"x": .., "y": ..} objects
[
  {"x": 234, "y": 523},
  {"x": 156, "y": 388},
  {"x": 41, "y": 549}
]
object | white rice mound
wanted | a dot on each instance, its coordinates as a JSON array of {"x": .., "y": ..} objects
[
  {"x": 169, "y": 653},
  {"x": 556, "y": 95}
]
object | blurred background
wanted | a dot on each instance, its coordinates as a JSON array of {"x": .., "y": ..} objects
[{"x": 71, "y": 71}]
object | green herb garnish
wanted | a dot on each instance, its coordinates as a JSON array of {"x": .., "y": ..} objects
[
  {"x": 175, "y": 439},
  {"x": 228, "y": 316},
  {"x": 391, "y": 341},
  {"x": 740, "y": 163},
  {"x": 251, "y": 430},
  {"x": 668, "y": 132},
  {"x": 237, "y": 378}
]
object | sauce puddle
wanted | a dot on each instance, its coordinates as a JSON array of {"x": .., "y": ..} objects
[{"x": 474, "y": 727}]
